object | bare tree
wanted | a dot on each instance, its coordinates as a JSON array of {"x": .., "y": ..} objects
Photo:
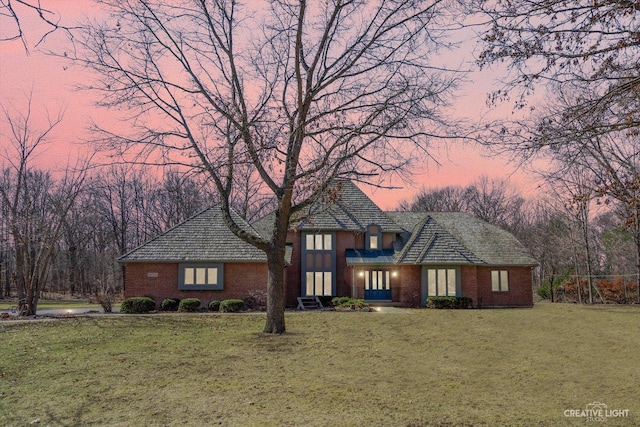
[
  {"x": 574, "y": 187},
  {"x": 120, "y": 194},
  {"x": 12, "y": 14},
  {"x": 36, "y": 202},
  {"x": 613, "y": 162},
  {"x": 292, "y": 95},
  {"x": 494, "y": 201},
  {"x": 6, "y": 256},
  {"x": 547, "y": 236},
  {"x": 174, "y": 198},
  {"x": 445, "y": 199},
  {"x": 609, "y": 161},
  {"x": 490, "y": 199},
  {"x": 575, "y": 45}
]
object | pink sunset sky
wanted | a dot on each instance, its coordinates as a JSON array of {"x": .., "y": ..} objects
[{"x": 52, "y": 82}]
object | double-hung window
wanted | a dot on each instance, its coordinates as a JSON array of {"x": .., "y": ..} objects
[
  {"x": 499, "y": 280},
  {"x": 200, "y": 276}
]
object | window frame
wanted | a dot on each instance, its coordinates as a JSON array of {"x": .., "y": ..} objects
[
  {"x": 443, "y": 280},
  {"x": 321, "y": 281},
  {"x": 318, "y": 263},
  {"x": 318, "y": 242},
  {"x": 373, "y": 230},
  {"x": 207, "y": 267},
  {"x": 502, "y": 281}
]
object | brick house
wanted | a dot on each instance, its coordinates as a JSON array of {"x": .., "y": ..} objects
[{"x": 344, "y": 247}]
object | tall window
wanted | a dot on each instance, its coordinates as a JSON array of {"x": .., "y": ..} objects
[
  {"x": 499, "y": 280},
  {"x": 200, "y": 277},
  {"x": 377, "y": 280},
  {"x": 319, "y": 283},
  {"x": 442, "y": 282},
  {"x": 319, "y": 264}
]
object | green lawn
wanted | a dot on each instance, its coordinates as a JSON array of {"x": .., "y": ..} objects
[{"x": 429, "y": 367}]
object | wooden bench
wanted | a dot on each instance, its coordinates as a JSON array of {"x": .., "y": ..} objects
[{"x": 309, "y": 303}]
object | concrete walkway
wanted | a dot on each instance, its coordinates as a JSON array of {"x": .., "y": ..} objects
[{"x": 392, "y": 310}]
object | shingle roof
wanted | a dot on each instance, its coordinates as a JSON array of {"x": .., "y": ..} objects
[
  {"x": 492, "y": 244},
  {"x": 351, "y": 210},
  {"x": 457, "y": 238},
  {"x": 432, "y": 244},
  {"x": 203, "y": 237}
]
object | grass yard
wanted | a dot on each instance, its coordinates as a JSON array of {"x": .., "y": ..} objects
[
  {"x": 42, "y": 304},
  {"x": 429, "y": 367}
]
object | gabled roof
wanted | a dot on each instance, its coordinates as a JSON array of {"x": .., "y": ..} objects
[
  {"x": 203, "y": 237},
  {"x": 492, "y": 244},
  {"x": 457, "y": 238},
  {"x": 432, "y": 244},
  {"x": 351, "y": 210}
]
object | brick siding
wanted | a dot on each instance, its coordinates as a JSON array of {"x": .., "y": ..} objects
[
  {"x": 407, "y": 288},
  {"x": 344, "y": 274},
  {"x": 476, "y": 284},
  {"x": 469, "y": 283},
  {"x": 160, "y": 280},
  {"x": 293, "y": 272}
]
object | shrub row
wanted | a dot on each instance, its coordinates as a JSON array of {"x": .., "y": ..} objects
[
  {"x": 138, "y": 305},
  {"x": 449, "y": 302}
]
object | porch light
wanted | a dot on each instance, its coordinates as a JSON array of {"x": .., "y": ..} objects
[
  {"x": 394, "y": 274},
  {"x": 361, "y": 274}
]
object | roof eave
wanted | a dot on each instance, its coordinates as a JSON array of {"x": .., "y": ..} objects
[{"x": 177, "y": 261}]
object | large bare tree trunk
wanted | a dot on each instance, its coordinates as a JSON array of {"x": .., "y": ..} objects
[
  {"x": 275, "y": 323},
  {"x": 638, "y": 267}
]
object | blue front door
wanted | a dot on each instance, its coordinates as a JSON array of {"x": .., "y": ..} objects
[{"x": 377, "y": 285}]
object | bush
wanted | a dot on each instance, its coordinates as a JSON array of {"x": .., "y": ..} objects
[
  {"x": 214, "y": 305},
  {"x": 106, "y": 296},
  {"x": 231, "y": 305},
  {"x": 465, "y": 302},
  {"x": 449, "y": 302},
  {"x": 347, "y": 302},
  {"x": 544, "y": 291},
  {"x": 137, "y": 305},
  {"x": 340, "y": 301},
  {"x": 257, "y": 300},
  {"x": 169, "y": 304},
  {"x": 189, "y": 305},
  {"x": 617, "y": 290}
]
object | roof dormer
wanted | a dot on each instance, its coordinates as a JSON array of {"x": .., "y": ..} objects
[{"x": 373, "y": 237}]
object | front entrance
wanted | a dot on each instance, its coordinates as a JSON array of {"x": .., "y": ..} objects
[{"x": 377, "y": 285}]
